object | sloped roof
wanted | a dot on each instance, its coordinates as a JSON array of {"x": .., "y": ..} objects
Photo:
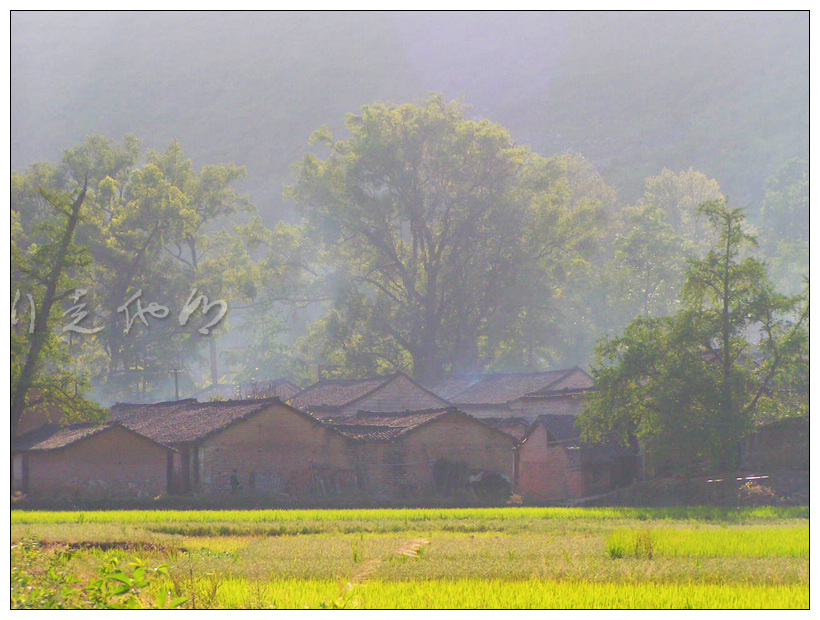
[
  {"x": 330, "y": 395},
  {"x": 517, "y": 427},
  {"x": 502, "y": 388},
  {"x": 385, "y": 426},
  {"x": 455, "y": 384},
  {"x": 333, "y": 393},
  {"x": 187, "y": 420},
  {"x": 366, "y": 432},
  {"x": 56, "y": 436},
  {"x": 381, "y": 426},
  {"x": 575, "y": 380}
]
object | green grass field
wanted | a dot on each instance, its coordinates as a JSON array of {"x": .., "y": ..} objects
[{"x": 418, "y": 558}]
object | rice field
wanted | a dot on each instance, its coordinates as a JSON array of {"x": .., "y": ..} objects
[{"x": 550, "y": 558}]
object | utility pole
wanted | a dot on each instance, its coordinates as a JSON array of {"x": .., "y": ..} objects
[{"x": 175, "y": 372}]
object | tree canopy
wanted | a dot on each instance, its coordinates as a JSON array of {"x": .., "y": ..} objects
[{"x": 691, "y": 385}]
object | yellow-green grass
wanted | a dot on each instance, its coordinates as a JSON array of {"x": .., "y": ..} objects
[
  {"x": 706, "y": 513},
  {"x": 238, "y": 593},
  {"x": 506, "y": 557},
  {"x": 711, "y": 543}
]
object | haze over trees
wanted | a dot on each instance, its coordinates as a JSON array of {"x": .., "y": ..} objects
[
  {"x": 558, "y": 201},
  {"x": 725, "y": 93}
]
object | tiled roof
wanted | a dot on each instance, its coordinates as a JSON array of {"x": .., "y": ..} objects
[
  {"x": 502, "y": 388},
  {"x": 561, "y": 427},
  {"x": 455, "y": 384},
  {"x": 575, "y": 380},
  {"x": 380, "y": 426},
  {"x": 396, "y": 392},
  {"x": 333, "y": 393},
  {"x": 517, "y": 427},
  {"x": 186, "y": 420},
  {"x": 365, "y": 432},
  {"x": 55, "y": 436},
  {"x": 384, "y": 426},
  {"x": 397, "y": 419}
]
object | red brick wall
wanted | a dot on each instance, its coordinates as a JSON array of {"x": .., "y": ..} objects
[
  {"x": 405, "y": 467},
  {"x": 112, "y": 463},
  {"x": 275, "y": 451},
  {"x": 546, "y": 472}
]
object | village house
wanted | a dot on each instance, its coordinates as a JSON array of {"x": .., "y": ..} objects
[
  {"x": 440, "y": 451},
  {"x": 252, "y": 445},
  {"x": 554, "y": 463},
  {"x": 524, "y": 395},
  {"x": 339, "y": 398},
  {"x": 91, "y": 461},
  {"x": 385, "y": 437}
]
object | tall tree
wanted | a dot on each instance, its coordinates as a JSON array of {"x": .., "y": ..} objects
[
  {"x": 690, "y": 385},
  {"x": 162, "y": 228},
  {"x": 430, "y": 226},
  {"x": 679, "y": 195},
  {"x": 44, "y": 269}
]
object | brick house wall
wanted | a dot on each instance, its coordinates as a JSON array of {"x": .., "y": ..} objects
[
  {"x": 277, "y": 450},
  {"x": 112, "y": 463},
  {"x": 400, "y": 394},
  {"x": 546, "y": 471},
  {"x": 404, "y": 467}
]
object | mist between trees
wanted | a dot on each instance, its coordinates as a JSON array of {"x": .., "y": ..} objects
[{"x": 427, "y": 242}]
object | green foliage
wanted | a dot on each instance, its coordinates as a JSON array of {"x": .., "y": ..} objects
[
  {"x": 45, "y": 267},
  {"x": 441, "y": 240},
  {"x": 690, "y": 386},
  {"x": 148, "y": 227},
  {"x": 43, "y": 580}
]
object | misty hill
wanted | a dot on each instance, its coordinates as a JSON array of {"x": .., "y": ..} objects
[{"x": 726, "y": 93}]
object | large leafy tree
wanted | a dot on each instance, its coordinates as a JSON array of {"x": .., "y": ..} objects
[
  {"x": 690, "y": 386},
  {"x": 679, "y": 195},
  {"x": 158, "y": 226},
  {"x": 43, "y": 263},
  {"x": 432, "y": 226},
  {"x": 784, "y": 222}
]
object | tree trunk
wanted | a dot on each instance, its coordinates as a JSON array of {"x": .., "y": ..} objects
[{"x": 38, "y": 338}]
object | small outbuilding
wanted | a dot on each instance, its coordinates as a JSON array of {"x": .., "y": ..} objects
[{"x": 89, "y": 461}]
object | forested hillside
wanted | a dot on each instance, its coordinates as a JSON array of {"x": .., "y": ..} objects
[
  {"x": 725, "y": 93},
  {"x": 372, "y": 192}
]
